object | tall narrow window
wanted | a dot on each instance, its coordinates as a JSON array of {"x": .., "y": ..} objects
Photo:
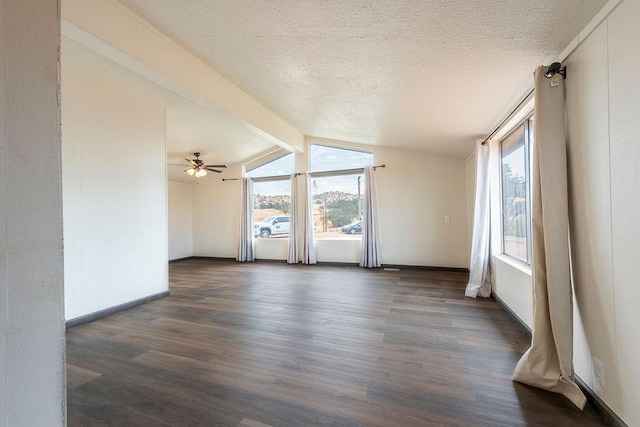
[
  {"x": 271, "y": 195},
  {"x": 337, "y": 190},
  {"x": 271, "y": 209},
  {"x": 516, "y": 211},
  {"x": 337, "y": 206}
]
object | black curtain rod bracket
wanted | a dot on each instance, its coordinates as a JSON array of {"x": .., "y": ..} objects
[{"x": 556, "y": 68}]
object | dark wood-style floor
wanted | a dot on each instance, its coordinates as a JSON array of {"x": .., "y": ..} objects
[{"x": 271, "y": 344}]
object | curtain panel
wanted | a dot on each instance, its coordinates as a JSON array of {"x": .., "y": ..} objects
[
  {"x": 370, "y": 257},
  {"x": 479, "y": 278},
  {"x": 548, "y": 364},
  {"x": 245, "y": 233},
  {"x": 293, "y": 222},
  {"x": 309, "y": 246}
]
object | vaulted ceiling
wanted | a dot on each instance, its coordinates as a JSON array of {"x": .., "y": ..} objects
[
  {"x": 189, "y": 128},
  {"x": 432, "y": 75}
]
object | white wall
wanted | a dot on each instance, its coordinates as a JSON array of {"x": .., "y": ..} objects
[
  {"x": 216, "y": 211},
  {"x": 415, "y": 192},
  {"x": 603, "y": 106},
  {"x": 32, "y": 375},
  {"x": 115, "y": 203},
  {"x": 471, "y": 196},
  {"x": 512, "y": 283},
  {"x": 180, "y": 219}
]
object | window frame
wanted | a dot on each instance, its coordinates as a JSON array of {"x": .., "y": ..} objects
[{"x": 527, "y": 123}]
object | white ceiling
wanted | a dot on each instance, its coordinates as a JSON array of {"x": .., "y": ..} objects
[{"x": 431, "y": 75}]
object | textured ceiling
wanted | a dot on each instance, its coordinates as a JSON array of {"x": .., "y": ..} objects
[
  {"x": 219, "y": 137},
  {"x": 425, "y": 74}
]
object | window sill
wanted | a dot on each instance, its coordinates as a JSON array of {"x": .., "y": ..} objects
[
  {"x": 337, "y": 239},
  {"x": 518, "y": 265}
]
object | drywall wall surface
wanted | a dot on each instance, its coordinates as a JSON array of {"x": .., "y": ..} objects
[
  {"x": 511, "y": 282},
  {"x": 603, "y": 104},
  {"x": 346, "y": 251},
  {"x": 115, "y": 193},
  {"x": 590, "y": 212},
  {"x": 416, "y": 191},
  {"x": 623, "y": 28},
  {"x": 180, "y": 213},
  {"x": 32, "y": 374},
  {"x": 216, "y": 214},
  {"x": 275, "y": 248}
]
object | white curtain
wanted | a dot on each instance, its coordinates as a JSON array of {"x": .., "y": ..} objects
[
  {"x": 479, "y": 278},
  {"x": 370, "y": 236},
  {"x": 245, "y": 240},
  {"x": 309, "y": 250},
  {"x": 548, "y": 363},
  {"x": 293, "y": 222}
]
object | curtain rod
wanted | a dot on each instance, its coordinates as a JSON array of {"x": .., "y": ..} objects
[
  {"x": 520, "y": 104},
  {"x": 317, "y": 174}
]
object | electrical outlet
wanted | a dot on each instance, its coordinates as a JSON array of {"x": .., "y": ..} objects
[
  {"x": 447, "y": 218},
  {"x": 598, "y": 371}
]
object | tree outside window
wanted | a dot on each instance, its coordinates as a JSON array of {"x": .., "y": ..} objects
[{"x": 516, "y": 217}]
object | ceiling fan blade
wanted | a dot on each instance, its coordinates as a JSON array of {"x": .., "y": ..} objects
[
  {"x": 176, "y": 164},
  {"x": 192, "y": 162},
  {"x": 210, "y": 168},
  {"x": 217, "y": 166}
]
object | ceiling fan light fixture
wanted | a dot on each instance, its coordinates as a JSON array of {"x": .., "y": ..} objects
[{"x": 198, "y": 168}]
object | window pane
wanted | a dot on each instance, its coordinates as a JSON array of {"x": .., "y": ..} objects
[
  {"x": 324, "y": 158},
  {"x": 337, "y": 206},
  {"x": 271, "y": 209},
  {"x": 515, "y": 188},
  {"x": 281, "y": 166}
]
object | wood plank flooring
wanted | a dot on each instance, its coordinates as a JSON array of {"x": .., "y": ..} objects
[{"x": 268, "y": 344}]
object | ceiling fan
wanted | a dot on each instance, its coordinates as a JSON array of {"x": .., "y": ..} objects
[{"x": 198, "y": 168}]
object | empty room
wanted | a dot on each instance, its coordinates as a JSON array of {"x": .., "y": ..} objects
[{"x": 283, "y": 213}]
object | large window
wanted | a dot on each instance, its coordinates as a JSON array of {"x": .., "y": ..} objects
[
  {"x": 271, "y": 203},
  {"x": 336, "y": 192},
  {"x": 516, "y": 210}
]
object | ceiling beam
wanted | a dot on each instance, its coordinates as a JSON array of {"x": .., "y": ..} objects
[{"x": 116, "y": 33}]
